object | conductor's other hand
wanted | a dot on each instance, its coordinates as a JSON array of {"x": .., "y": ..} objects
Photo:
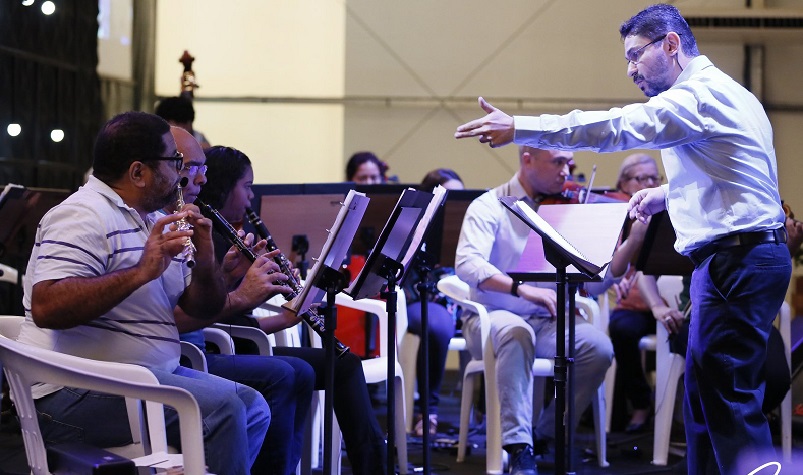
[
  {"x": 496, "y": 128},
  {"x": 646, "y": 203}
]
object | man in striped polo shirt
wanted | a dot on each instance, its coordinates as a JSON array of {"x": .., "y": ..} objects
[{"x": 102, "y": 283}]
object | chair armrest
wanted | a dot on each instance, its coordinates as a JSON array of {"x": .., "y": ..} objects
[
  {"x": 8, "y": 274},
  {"x": 195, "y": 356},
  {"x": 32, "y": 364}
]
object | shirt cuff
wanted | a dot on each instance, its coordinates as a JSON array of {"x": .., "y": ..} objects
[{"x": 527, "y": 129}]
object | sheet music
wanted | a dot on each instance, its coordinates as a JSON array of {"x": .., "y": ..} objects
[
  {"x": 334, "y": 249},
  {"x": 398, "y": 241},
  {"x": 438, "y": 195},
  {"x": 548, "y": 229},
  {"x": 591, "y": 232}
]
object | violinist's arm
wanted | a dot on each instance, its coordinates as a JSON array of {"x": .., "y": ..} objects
[
  {"x": 795, "y": 230},
  {"x": 627, "y": 252}
]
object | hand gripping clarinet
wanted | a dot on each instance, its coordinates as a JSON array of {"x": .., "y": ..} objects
[{"x": 311, "y": 317}]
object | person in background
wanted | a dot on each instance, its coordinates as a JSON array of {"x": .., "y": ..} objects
[
  {"x": 365, "y": 168},
  {"x": 178, "y": 111},
  {"x": 228, "y": 189},
  {"x": 102, "y": 283},
  {"x": 441, "y": 315},
  {"x": 633, "y": 317},
  {"x": 286, "y": 383},
  {"x": 444, "y": 177},
  {"x": 722, "y": 197}
]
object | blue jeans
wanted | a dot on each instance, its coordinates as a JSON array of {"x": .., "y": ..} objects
[
  {"x": 441, "y": 330},
  {"x": 235, "y": 418},
  {"x": 286, "y": 384},
  {"x": 736, "y": 294}
]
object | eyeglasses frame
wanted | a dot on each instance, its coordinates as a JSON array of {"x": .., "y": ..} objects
[
  {"x": 178, "y": 158},
  {"x": 640, "y": 52}
]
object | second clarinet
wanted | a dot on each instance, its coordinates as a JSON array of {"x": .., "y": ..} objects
[{"x": 312, "y": 319}]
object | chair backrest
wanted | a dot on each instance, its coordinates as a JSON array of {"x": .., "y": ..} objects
[
  {"x": 10, "y": 326},
  {"x": 379, "y": 307},
  {"x": 459, "y": 292},
  {"x": 669, "y": 288},
  {"x": 25, "y": 365},
  {"x": 287, "y": 337}
]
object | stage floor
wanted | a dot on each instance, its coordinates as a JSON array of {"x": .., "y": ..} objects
[{"x": 627, "y": 454}]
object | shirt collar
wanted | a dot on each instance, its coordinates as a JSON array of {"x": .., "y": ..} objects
[
  {"x": 98, "y": 186},
  {"x": 697, "y": 64}
]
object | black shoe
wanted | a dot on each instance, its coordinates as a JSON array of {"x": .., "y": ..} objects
[
  {"x": 638, "y": 427},
  {"x": 523, "y": 462}
]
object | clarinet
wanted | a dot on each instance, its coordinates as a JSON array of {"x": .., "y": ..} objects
[{"x": 311, "y": 317}]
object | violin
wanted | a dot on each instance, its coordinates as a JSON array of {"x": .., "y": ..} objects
[{"x": 575, "y": 193}]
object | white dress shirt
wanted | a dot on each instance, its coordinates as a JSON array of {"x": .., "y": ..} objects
[{"x": 716, "y": 147}]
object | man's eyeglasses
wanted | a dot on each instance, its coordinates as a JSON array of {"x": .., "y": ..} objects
[
  {"x": 643, "y": 179},
  {"x": 635, "y": 56},
  {"x": 194, "y": 170},
  {"x": 178, "y": 158}
]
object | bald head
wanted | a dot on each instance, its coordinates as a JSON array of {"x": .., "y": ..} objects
[
  {"x": 194, "y": 159},
  {"x": 186, "y": 144}
]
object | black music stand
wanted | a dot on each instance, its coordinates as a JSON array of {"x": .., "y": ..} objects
[
  {"x": 658, "y": 255},
  {"x": 21, "y": 209},
  {"x": 324, "y": 278},
  {"x": 425, "y": 288},
  {"x": 385, "y": 267},
  {"x": 568, "y": 268}
]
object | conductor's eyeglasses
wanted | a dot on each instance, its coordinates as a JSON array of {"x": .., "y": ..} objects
[
  {"x": 635, "y": 56},
  {"x": 178, "y": 160},
  {"x": 644, "y": 179},
  {"x": 194, "y": 170}
]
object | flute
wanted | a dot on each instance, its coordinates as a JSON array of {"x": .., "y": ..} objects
[
  {"x": 311, "y": 317},
  {"x": 189, "y": 248}
]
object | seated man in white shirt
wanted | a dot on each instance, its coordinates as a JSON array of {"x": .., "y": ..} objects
[{"x": 523, "y": 324}]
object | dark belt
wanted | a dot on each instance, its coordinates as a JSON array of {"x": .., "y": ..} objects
[{"x": 699, "y": 255}]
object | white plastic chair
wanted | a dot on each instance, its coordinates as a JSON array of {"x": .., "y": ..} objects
[
  {"x": 669, "y": 367},
  {"x": 25, "y": 365},
  {"x": 8, "y": 274},
  {"x": 408, "y": 359},
  {"x": 375, "y": 369},
  {"x": 458, "y": 290}
]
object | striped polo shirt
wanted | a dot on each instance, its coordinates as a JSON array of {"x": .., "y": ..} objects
[{"x": 93, "y": 233}]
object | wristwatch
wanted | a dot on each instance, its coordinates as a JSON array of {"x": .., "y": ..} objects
[{"x": 514, "y": 289}]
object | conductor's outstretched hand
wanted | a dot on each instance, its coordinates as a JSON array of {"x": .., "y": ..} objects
[{"x": 496, "y": 128}]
